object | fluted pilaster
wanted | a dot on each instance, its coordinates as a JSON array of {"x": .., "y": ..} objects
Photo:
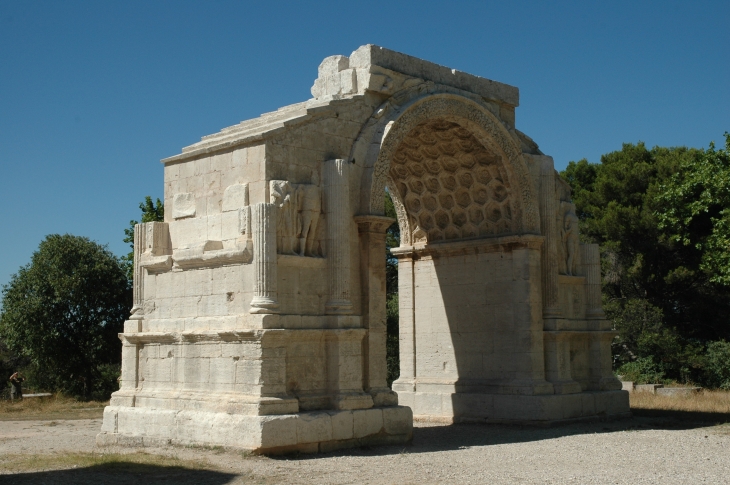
[
  {"x": 550, "y": 250},
  {"x": 337, "y": 207},
  {"x": 140, "y": 243},
  {"x": 590, "y": 257},
  {"x": 263, "y": 227}
]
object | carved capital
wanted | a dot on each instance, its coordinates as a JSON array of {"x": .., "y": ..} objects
[{"x": 373, "y": 223}]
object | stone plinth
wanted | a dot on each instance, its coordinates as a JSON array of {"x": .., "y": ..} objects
[{"x": 676, "y": 391}]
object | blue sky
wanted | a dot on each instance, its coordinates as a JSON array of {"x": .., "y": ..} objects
[{"x": 94, "y": 94}]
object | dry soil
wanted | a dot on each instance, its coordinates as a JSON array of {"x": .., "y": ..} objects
[{"x": 666, "y": 450}]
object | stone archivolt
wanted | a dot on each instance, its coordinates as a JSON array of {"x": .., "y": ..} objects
[
  {"x": 259, "y": 304},
  {"x": 452, "y": 187},
  {"x": 472, "y": 115}
]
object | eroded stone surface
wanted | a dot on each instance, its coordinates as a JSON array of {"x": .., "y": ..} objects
[{"x": 259, "y": 308}]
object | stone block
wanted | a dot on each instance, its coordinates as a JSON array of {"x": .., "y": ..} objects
[
  {"x": 472, "y": 405},
  {"x": 677, "y": 391},
  {"x": 183, "y": 205},
  {"x": 650, "y": 388},
  {"x": 235, "y": 197},
  {"x": 572, "y": 406},
  {"x": 427, "y": 403},
  {"x": 278, "y": 431},
  {"x": 342, "y": 424},
  {"x": 109, "y": 424},
  {"x": 314, "y": 427},
  {"x": 398, "y": 420},
  {"x": 367, "y": 422},
  {"x": 222, "y": 371}
]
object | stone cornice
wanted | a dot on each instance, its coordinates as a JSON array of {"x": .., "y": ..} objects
[
  {"x": 241, "y": 335},
  {"x": 470, "y": 246}
]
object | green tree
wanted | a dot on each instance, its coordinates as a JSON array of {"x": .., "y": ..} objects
[
  {"x": 151, "y": 212},
  {"x": 63, "y": 311},
  {"x": 694, "y": 209},
  {"x": 718, "y": 365},
  {"x": 392, "y": 240},
  {"x": 664, "y": 301}
]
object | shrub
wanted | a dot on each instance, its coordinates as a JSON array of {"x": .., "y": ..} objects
[
  {"x": 642, "y": 371},
  {"x": 392, "y": 348},
  {"x": 717, "y": 367}
]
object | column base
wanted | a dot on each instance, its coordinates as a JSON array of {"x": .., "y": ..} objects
[
  {"x": 260, "y": 304},
  {"x": 566, "y": 387},
  {"x": 338, "y": 307},
  {"x": 515, "y": 409},
  {"x": 383, "y": 397},
  {"x": 351, "y": 401},
  {"x": 302, "y": 432}
]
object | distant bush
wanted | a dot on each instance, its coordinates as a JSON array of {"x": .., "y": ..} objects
[
  {"x": 392, "y": 240},
  {"x": 642, "y": 371},
  {"x": 392, "y": 348},
  {"x": 717, "y": 366}
]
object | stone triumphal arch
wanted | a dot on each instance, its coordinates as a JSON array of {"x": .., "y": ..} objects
[{"x": 259, "y": 309}]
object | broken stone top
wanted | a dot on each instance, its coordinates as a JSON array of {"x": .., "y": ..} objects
[
  {"x": 370, "y": 69},
  {"x": 374, "y": 68}
]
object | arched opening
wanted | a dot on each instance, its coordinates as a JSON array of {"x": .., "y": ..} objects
[
  {"x": 469, "y": 261},
  {"x": 450, "y": 187}
]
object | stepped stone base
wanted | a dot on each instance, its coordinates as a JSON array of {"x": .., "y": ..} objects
[
  {"x": 311, "y": 432},
  {"x": 516, "y": 409}
]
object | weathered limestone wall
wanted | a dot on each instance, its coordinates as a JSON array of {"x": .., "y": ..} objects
[
  {"x": 469, "y": 326},
  {"x": 259, "y": 304}
]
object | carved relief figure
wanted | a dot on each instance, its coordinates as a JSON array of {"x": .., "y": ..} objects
[
  {"x": 319, "y": 248},
  {"x": 299, "y": 215},
  {"x": 310, "y": 206},
  {"x": 284, "y": 197},
  {"x": 569, "y": 238}
]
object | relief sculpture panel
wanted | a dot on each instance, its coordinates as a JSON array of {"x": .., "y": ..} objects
[
  {"x": 569, "y": 238},
  {"x": 300, "y": 221}
]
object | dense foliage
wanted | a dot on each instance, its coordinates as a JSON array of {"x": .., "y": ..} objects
[
  {"x": 9, "y": 362},
  {"x": 62, "y": 312},
  {"x": 662, "y": 218},
  {"x": 392, "y": 240},
  {"x": 151, "y": 212},
  {"x": 694, "y": 210}
]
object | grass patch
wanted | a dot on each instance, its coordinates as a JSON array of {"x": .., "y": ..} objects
[
  {"x": 52, "y": 407},
  {"x": 704, "y": 405}
]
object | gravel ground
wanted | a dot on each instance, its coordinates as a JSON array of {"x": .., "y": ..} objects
[{"x": 631, "y": 451}]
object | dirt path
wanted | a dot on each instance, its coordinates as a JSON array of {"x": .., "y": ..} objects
[{"x": 635, "y": 451}]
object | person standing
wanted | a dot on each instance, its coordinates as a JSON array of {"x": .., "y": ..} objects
[{"x": 16, "y": 391}]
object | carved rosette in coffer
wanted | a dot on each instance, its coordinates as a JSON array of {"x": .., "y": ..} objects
[{"x": 450, "y": 185}]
